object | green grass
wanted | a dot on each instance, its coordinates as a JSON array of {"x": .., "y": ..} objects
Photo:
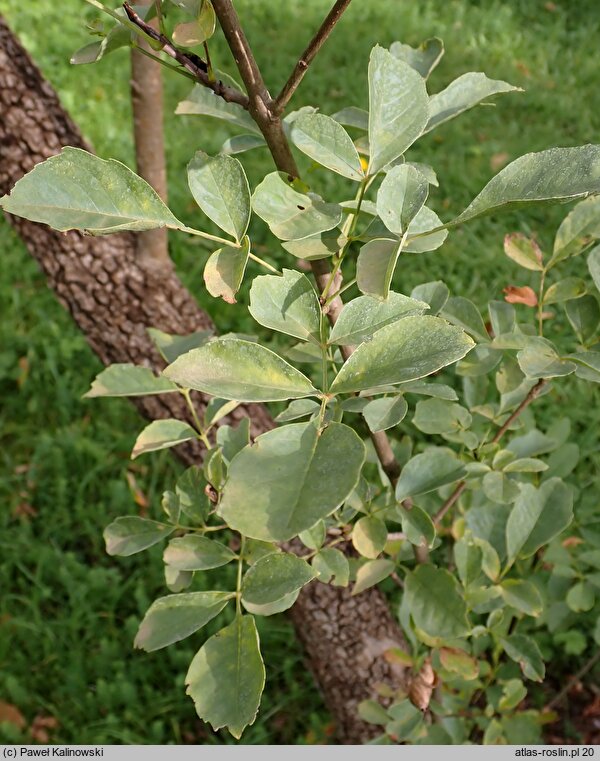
[{"x": 68, "y": 613}]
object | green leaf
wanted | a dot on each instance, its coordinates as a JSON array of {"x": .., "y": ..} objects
[
  {"x": 233, "y": 439},
  {"x": 565, "y": 290},
  {"x": 327, "y": 142},
  {"x": 227, "y": 677},
  {"x": 407, "y": 721},
  {"x": 398, "y": 108},
  {"x": 234, "y": 369},
  {"x": 224, "y": 271},
  {"x": 401, "y": 196},
  {"x": 275, "y": 576},
  {"x": 539, "y": 359},
  {"x": 425, "y": 232},
  {"x": 176, "y": 581},
  {"x": 427, "y": 472},
  {"x": 118, "y": 37},
  {"x": 372, "y": 712},
  {"x": 173, "y": 618},
  {"x": 220, "y": 188},
  {"x": 552, "y": 175},
  {"x": 384, "y": 413},
  {"x": 76, "y": 190},
  {"x": 353, "y": 117},
  {"x": 203, "y": 102},
  {"x": 371, "y": 573},
  {"x": 458, "y": 662},
  {"x": 577, "y": 230},
  {"x": 290, "y": 214},
  {"x": 522, "y": 595},
  {"x": 435, "y": 294},
  {"x": 526, "y": 653},
  {"x": 587, "y": 365},
  {"x": 199, "y": 30},
  {"x": 162, "y": 434},
  {"x": 196, "y": 553},
  {"x": 290, "y": 478},
  {"x": 171, "y": 346},
  {"x": 375, "y": 266},
  {"x": 435, "y": 602},
  {"x": 369, "y": 536},
  {"x": 526, "y": 465},
  {"x": 131, "y": 534},
  {"x": 499, "y": 489},
  {"x": 464, "y": 313},
  {"x": 502, "y": 317},
  {"x": 424, "y": 58},
  {"x": 436, "y": 390},
  {"x": 271, "y": 608},
  {"x": 288, "y": 304},
  {"x": 584, "y": 316},
  {"x": 128, "y": 380},
  {"x": 462, "y": 94},
  {"x": 468, "y": 559},
  {"x": 190, "y": 490},
  {"x": 319, "y": 246},
  {"x": 332, "y": 567},
  {"x": 513, "y": 692},
  {"x": 593, "y": 263},
  {"x": 314, "y": 537},
  {"x": 217, "y": 409},
  {"x": 440, "y": 416},
  {"x": 417, "y": 525},
  {"x": 581, "y": 597},
  {"x": 241, "y": 144},
  {"x": 537, "y": 517},
  {"x": 524, "y": 251},
  {"x": 405, "y": 350},
  {"x": 297, "y": 409}
]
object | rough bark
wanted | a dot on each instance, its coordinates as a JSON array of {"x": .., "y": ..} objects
[
  {"x": 113, "y": 299},
  {"x": 148, "y": 133}
]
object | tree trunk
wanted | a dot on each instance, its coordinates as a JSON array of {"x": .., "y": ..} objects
[
  {"x": 113, "y": 298},
  {"x": 147, "y": 107}
]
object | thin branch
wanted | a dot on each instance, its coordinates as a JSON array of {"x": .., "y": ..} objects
[
  {"x": 533, "y": 394},
  {"x": 193, "y": 64},
  {"x": 307, "y": 57},
  {"x": 259, "y": 99},
  {"x": 587, "y": 666}
]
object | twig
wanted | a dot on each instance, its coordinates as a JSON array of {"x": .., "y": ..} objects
[
  {"x": 587, "y": 666},
  {"x": 533, "y": 394},
  {"x": 191, "y": 63},
  {"x": 259, "y": 99},
  {"x": 307, "y": 57}
]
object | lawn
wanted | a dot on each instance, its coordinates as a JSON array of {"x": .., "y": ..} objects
[{"x": 68, "y": 613}]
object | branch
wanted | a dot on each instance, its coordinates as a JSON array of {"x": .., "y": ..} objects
[
  {"x": 259, "y": 99},
  {"x": 533, "y": 394},
  {"x": 260, "y": 108},
  {"x": 307, "y": 57},
  {"x": 587, "y": 666},
  {"x": 192, "y": 63}
]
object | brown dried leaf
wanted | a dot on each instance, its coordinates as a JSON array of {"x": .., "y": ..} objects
[
  {"x": 12, "y": 715},
  {"x": 520, "y": 294},
  {"x": 421, "y": 688},
  {"x": 499, "y": 160},
  {"x": 138, "y": 495}
]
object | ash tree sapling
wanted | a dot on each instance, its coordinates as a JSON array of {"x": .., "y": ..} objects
[{"x": 407, "y": 434}]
